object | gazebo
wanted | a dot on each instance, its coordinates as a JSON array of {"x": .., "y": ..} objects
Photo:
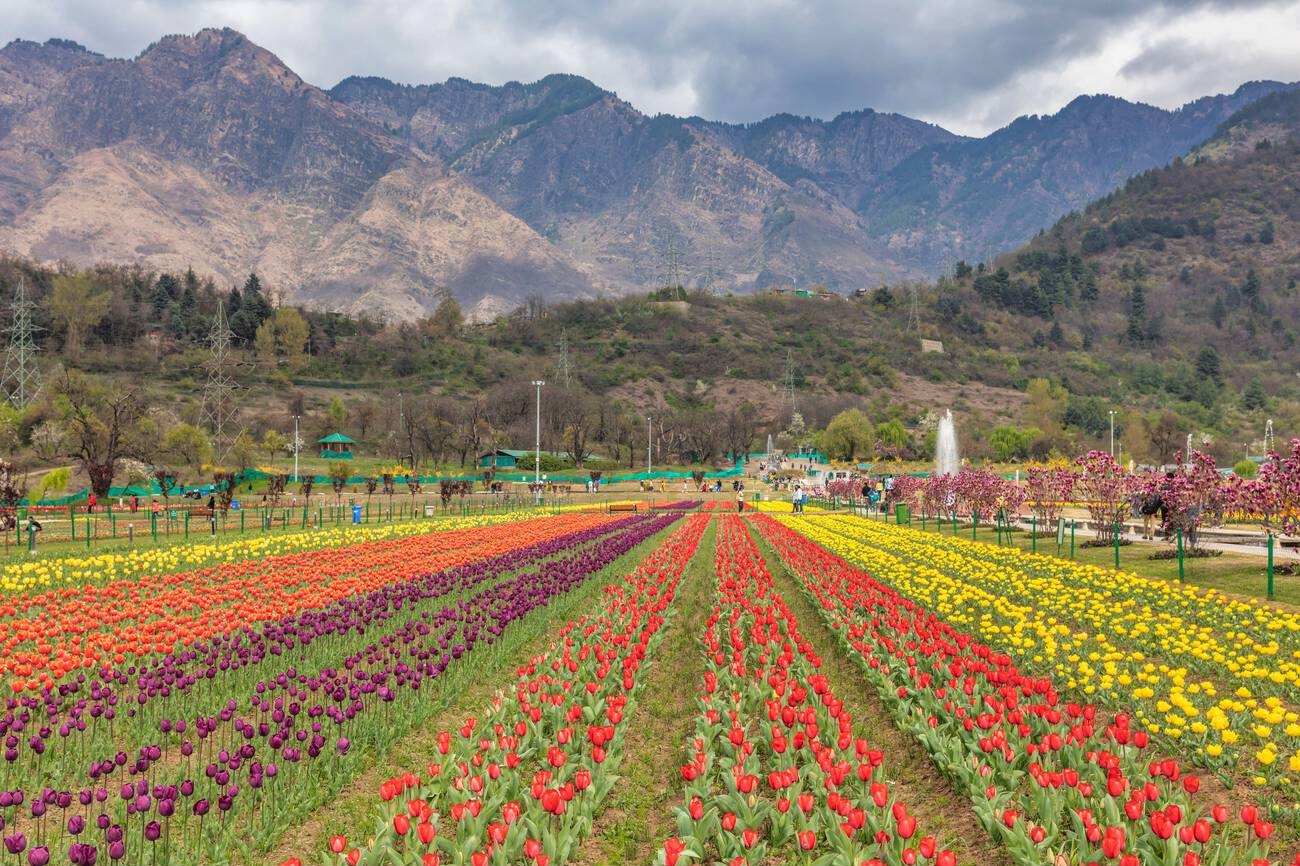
[{"x": 336, "y": 446}]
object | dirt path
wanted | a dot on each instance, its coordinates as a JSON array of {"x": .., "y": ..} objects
[
  {"x": 639, "y": 816},
  {"x": 939, "y": 808}
]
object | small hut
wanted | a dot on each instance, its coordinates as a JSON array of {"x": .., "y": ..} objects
[{"x": 336, "y": 446}]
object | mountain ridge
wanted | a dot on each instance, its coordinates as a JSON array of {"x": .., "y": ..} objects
[{"x": 208, "y": 150}]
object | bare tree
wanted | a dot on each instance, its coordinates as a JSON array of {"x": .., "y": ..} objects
[
  {"x": 275, "y": 485},
  {"x": 740, "y": 426},
  {"x": 365, "y": 414},
  {"x": 573, "y": 419},
  {"x": 102, "y": 427}
]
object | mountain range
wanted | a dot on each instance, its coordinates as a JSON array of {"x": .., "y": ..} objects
[{"x": 207, "y": 151}]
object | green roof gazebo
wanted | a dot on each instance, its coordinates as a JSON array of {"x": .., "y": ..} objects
[{"x": 336, "y": 446}]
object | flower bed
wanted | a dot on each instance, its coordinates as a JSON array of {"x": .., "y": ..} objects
[
  {"x": 522, "y": 784},
  {"x": 213, "y": 746},
  {"x": 1055, "y": 781},
  {"x": 776, "y": 768}
]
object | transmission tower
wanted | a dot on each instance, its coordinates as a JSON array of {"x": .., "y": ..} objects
[
  {"x": 566, "y": 371},
  {"x": 789, "y": 378},
  {"x": 710, "y": 275},
  {"x": 914, "y": 307},
  {"x": 672, "y": 269},
  {"x": 22, "y": 378},
  {"x": 219, "y": 409}
]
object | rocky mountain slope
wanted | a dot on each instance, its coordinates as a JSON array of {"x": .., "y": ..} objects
[{"x": 207, "y": 151}]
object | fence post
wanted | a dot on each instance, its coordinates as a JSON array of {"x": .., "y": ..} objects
[
  {"x": 1270, "y": 566},
  {"x": 1180, "y": 553},
  {"x": 187, "y": 523},
  {"x": 1072, "y": 521},
  {"x": 153, "y": 526},
  {"x": 1033, "y": 533},
  {"x": 1116, "y": 544},
  {"x": 72, "y": 518}
]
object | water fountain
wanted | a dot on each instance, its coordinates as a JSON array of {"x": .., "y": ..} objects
[
  {"x": 946, "y": 459},
  {"x": 769, "y": 444}
]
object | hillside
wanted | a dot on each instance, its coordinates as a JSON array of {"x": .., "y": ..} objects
[
  {"x": 1180, "y": 289},
  {"x": 206, "y": 151}
]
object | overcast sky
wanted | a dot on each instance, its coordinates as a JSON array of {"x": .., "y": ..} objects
[{"x": 971, "y": 67}]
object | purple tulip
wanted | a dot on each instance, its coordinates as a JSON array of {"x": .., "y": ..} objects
[{"x": 38, "y": 856}]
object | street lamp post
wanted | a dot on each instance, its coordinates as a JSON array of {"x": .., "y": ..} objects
[
  {"x": 297, "y": 444},
  {"x": 1112, "y": 434},
  {"x": 537, "y": 447},
  {"x": 649, "y": 437}
]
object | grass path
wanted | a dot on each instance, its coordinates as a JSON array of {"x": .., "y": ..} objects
[
  {"x": 939, "y": 808},
  {"x": 639, "y": 816}
]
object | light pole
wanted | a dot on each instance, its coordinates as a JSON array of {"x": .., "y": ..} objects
[
  {"x": 537, "y": 447},
  {"x": 649, "y": 437},
  {"x": 1112, "y": 434},
  {"x": 296, "y": 445}
]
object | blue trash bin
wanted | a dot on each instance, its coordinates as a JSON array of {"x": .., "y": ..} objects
[{"x": 356, "y": 515}]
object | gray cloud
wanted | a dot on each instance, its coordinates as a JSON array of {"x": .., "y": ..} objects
[{"x": 971, "y": 66}]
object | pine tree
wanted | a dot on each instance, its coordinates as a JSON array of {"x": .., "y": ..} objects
[{"x": 1137, "y": 315}]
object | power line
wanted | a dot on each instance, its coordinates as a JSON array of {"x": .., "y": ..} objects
[{"x": 22, "y": 378}]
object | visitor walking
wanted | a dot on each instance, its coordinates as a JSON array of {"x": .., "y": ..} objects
[
  {"x": 1151, "y": 505},
  {"x": 90, "y": 503},
  {"x": 740, "y": 501}
]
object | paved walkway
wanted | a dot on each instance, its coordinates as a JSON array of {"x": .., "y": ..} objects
[{"x": 1248, "y": 546}]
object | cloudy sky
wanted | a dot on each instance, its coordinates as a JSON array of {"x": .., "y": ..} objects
[{"x": 971, "y": 67}]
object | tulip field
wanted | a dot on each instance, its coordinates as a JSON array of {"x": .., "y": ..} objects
[{"x": 243, "y": 702}]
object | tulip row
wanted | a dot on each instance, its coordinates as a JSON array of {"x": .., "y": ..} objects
[
  {"x": 344, "y": 674},
  {"x": 1052, "y": 780},
  {"x": 46, "y": 636},
  {"x": 776, "y": 765},
  {"x": 522, "y": 784},
  {"x": 1212, "y": 677},
  {"x": 77, "y": 571}
]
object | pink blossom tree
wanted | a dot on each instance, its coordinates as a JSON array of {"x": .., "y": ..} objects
[
  {"x": 1106, "y": 490},
  {"x": 1194, "y": 498},
  {"x": 978, "y": 490},
  {"x": 1047, "y": 490},
  {"x": 1272, "y": 497}
]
